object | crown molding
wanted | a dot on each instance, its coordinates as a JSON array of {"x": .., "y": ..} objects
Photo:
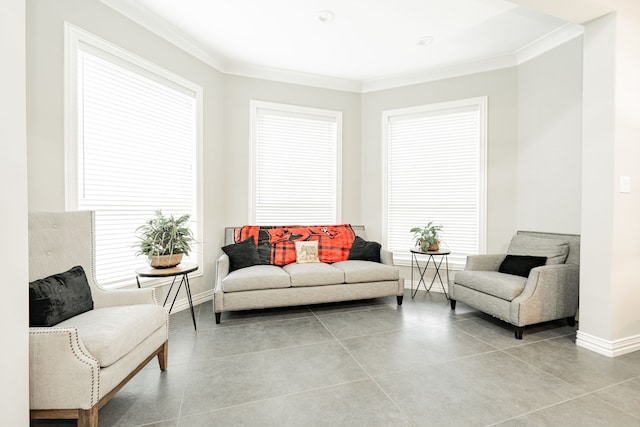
[
  {"x": 166, "y": 30},
  {"x": 292, "y": 77},
  {"x": 159, "y": 26},
  {"x": 433, "y": 74},
  {"x": 549, "y": 41}
]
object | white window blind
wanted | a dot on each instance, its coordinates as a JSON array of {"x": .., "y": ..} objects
[
  {"x": 435, "y": 172},
  {"x": 296, "y": 164},
  {"x": 136, "y": 144}
]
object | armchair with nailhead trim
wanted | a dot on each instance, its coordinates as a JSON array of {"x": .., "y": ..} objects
[{"x": 77, "y": 365}]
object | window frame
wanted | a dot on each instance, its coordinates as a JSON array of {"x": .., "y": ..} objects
[
  {"x": 387, "y": 115},
  {"x": 254, "y": 106},
  {"x": 74, "y": 37}
]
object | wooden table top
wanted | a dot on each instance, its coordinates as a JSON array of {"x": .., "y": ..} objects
[{"x": 182, "y": 268}]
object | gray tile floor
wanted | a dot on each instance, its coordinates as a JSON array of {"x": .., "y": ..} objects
[{"x": 372, "y": 363}]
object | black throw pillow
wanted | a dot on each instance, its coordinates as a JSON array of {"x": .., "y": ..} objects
[
  {"x": 364, "y": 250},
  {"x": 59, "y": 297},
  {"x": 242, "y": 254},
  {"x": 521, "y": 265}
]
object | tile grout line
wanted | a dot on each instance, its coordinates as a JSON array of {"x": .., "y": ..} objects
[
  {"x": 366, "y": 372},
  {"x": 266, "y": 399},
  {"x": 189, "y": 364}
]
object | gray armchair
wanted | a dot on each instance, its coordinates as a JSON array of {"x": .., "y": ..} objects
[
  {"x": 77, "y": 365},
  {"x": 546, "y": 292}
]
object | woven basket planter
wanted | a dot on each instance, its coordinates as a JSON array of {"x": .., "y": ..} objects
[{"x": 165, "y": 261}]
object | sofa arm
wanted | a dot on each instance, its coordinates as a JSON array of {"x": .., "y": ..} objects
[
  {"x": 487, "y": 262},
  {"x": 222, "y": 271},
  {"x": 62, "y": 373},
  {"x": 551, "y": 293},
  {"x": 386, "y": 257},
  {"x": 116, "y": 297}
]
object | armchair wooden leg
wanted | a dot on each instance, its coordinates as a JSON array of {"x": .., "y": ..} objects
[
  {"x": 218, "y": 318},
  {"x": 163, "y": 356},
  {"x": 88, "y": 418},
  {"x": 399, "y": 299},
  {"x": 519, "y": 330},
  {"x": 571, "y": 321},
  {"x": 452, "y": 303}
]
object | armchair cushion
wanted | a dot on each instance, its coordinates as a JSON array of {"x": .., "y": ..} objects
[
  {"x": 555, "y": 250},
  {"x": 500, "y": 285},
  {"x": 521, "y": 265},
  {"x": 59, "y": 297},
  {"x": 113, "y": 332}
]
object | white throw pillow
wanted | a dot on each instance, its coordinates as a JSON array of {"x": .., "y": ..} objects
[{"x": 307, "y": 251}]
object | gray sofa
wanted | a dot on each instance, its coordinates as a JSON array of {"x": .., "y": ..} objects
[
  {"x": 264, "y": 286},
  {"x": 548, "y": 292}
]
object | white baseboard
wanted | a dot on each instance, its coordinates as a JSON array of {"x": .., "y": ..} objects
[
  {"x": 606, "y": 347},
  {"x": 183, "y": 303}
]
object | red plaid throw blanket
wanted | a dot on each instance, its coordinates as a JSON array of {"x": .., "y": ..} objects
[{"x": 276, "y": 244}]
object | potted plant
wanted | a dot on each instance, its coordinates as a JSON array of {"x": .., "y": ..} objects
[
  {"x": 165, "y": 239},
  {"x": 427, "y": 237}
]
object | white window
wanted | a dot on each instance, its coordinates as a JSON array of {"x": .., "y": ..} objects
[
  {"x": 295, "y": 165},
  {"x": 132, "y": 142},
  {"x": 435, "y": 171}
]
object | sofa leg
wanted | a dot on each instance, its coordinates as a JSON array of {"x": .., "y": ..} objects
[
  {"x": 399, "y": 299},
  {"x": 519, "y": 330},
  {"x": 571, "y": 321},
  {"x": 88, "y": 418},
  {"x": 218, "y": 318},
  {"x": 452, "y": 303}
]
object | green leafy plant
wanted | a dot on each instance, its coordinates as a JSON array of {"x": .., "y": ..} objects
[
  {"x": 165, "y": 235},
  {"x": 427, "y": 237}
]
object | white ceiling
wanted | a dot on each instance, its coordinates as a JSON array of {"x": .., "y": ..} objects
[{"x": 370, "y": 45}]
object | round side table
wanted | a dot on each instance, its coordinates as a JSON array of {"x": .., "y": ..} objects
[
  {"x": 182, "y": 270},
  {"x": 443, "y": 254}
]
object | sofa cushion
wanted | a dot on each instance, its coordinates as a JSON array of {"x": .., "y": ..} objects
[
  {"x": 364, "y": 250},
  {"x": 356, "y": 271},
  {"x": 521, "y": 265},
  {"x": 555, "y": 250},
  {"x": 313, "y": 274},
  {"x": 59, "y": 297},
  {"x": 256, "y": 277},
  {"x": 243, "y": 254},
  {"x": 500, "y": 285},
  {"x": 112, "y": 332}
]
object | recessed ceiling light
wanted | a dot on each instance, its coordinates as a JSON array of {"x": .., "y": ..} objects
[
  {"x": 425, "y": 41},
  {"x": 326, "y": 16}
]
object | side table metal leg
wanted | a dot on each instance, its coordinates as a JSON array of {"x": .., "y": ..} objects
[
  {"x": 175, "y": 296},
  {"x": 412, "y": 257},
  {"x": 187, "y": 287},
  {"x": 169, "y": 293}
]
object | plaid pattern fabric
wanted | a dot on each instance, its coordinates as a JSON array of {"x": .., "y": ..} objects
[{"x": 276, "y": 244}]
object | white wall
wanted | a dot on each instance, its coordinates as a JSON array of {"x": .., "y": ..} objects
[
  {"x": 550, "y": 140},
  {"x": 45, "y": 101},
  {"x": 14, "y": 315},
  {"x": 238, "y": 92},
  {"x": 501, "y": 87},
  {"x": 609, "y": 291}
]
